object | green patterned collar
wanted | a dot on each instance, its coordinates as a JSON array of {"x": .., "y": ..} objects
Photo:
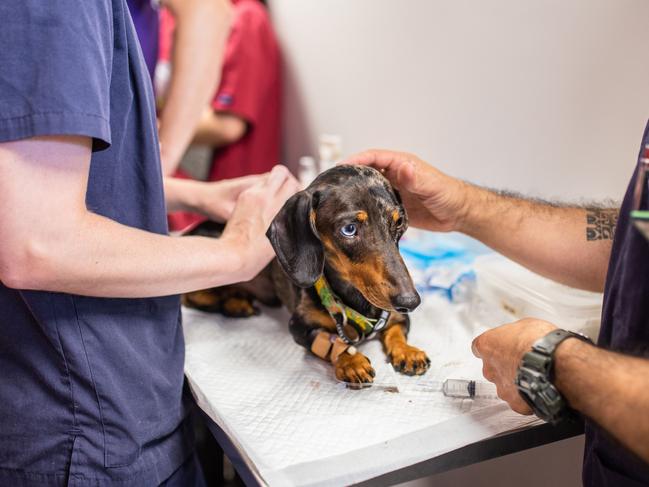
[{"x": 344, "y": 316}]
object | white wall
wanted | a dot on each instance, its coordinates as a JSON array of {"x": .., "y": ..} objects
[{"x": 545, "y": 97}]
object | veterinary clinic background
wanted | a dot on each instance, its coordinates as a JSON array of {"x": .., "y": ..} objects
[{"x": 467, "y": 305}]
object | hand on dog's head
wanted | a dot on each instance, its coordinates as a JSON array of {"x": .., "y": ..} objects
[{"x": 349, "y": 219}]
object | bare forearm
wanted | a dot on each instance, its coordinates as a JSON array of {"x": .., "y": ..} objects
[
  {"x": 219, "y": 129},
  {"x": 568, "y": 244},
  {"x": 53, "y": 242},
  {"x": 214, "y": 200},
  {"x": 201, "y": 31},
  {"x": 184, "y": 194},
  {"x": 99, "y": 257},
  {"x": 610, "y": 388}
]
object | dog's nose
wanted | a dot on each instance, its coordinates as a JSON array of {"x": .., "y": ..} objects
[{"x": 406, "y": 302}]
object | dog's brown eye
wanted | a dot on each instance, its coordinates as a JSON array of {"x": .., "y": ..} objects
[
  {"x": 348, "y": 230},
  {"x": 399, "y": 222}
]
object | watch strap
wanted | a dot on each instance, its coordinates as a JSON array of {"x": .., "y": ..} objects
[
  {"x": 547, "y": 345},
  {"x": 551, "y": 341}
]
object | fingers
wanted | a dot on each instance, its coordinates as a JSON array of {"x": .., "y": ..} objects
[
  {"x": 488, "y": 373},
  {"x": 512, "y": 397},
  {"x": 276, "y": 178},
  {"x": 280, "y": 186},
  {"x": 521, "y": 407},
  {"x": 250, "y": 179},
  {"x": 288, "y": 189},
  {"x": 378, "y": 158},
  {"x": 375, "y": 158},
  {"x": 399, "y": 167},
  {"x": 406, "y": 175},
  {"x": 233, "y": 187}
]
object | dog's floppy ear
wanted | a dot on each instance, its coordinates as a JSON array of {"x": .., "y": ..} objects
[
  {"x": 292, "y": 235},
  {"x": 404, "y": 225}
]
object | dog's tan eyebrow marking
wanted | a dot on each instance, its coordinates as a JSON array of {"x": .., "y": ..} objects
[
  {"x": 361, "y": 216},
  {"x": 314, "y": 229},
  {"x": 395, "y": 215}
]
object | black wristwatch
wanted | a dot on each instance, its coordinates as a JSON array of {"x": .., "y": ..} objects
[{"x": 536, "y": 374}]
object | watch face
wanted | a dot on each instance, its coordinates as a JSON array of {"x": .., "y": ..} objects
[{"x": 540, "y": 394}]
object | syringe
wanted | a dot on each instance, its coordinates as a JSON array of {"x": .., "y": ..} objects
[
  {"x": 456, "y": 388},
  {"x": 470, "y": 389}
]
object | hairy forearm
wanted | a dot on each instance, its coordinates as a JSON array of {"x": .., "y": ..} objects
[
  {"x": 568, "y": 244},
  {"x": 99, "y": 257},
  {"x": 202, "y": 27},
  {"x": 610, "y": 388}
]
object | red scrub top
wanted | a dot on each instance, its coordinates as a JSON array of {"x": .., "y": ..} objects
[{"x": 250, "y": 88}]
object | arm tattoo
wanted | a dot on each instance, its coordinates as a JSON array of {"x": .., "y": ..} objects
[
  {"x": 601, "y": 218},
  {"x": 600, "y": 223}
]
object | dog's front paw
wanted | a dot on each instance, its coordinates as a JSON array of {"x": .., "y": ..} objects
[
  {"x": 354, "y": 369},
  {"x": 409, "y": 360}
]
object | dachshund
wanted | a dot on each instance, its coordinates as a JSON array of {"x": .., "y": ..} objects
[{"x": 339, "y": 272}]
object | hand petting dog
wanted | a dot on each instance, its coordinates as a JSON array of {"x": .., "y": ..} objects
[
  {"x": 434, "y": 200},
  {"x": 252, "y": 214}
]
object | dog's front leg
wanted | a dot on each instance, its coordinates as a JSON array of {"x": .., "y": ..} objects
[
  {"x": 317, "y": 333},
  {"x": 404, "y": 358}
]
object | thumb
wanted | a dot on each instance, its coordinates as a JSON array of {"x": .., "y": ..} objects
[
  {"x": 407, "y": 176},
  {"x": 276, "y": 178},
  {"x": 474, "y": 347}
]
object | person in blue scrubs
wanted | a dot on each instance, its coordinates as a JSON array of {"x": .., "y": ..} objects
[
  {"x": 598, "y": 249},
  {"x": 91, "y": 344}
]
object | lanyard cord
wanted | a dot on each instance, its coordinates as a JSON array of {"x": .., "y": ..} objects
[{"x": 344, "y": 315}]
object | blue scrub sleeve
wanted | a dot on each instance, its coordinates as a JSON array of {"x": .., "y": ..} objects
[{"x": 55, "y": 64}]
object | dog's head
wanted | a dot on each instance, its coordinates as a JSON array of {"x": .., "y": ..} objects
[{"x": 353, "y": 219}]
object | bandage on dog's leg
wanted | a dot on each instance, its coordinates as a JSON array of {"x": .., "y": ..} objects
[
  {"x": 340, "y": 347},
  {"x": 330, "y": 347},
  {"x": 322, "y": 344}
]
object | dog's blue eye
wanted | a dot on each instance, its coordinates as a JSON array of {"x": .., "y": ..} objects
[{"x": 348, "y": 230}]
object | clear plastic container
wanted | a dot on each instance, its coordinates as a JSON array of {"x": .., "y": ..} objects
[
  {"x": 442, "y": 263},
  {"x": 520, "y": 293},
  {"x": 330, "y": 150},
  {"x": 307, "y": 170}
]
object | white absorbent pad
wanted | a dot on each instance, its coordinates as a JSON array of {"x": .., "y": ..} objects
[{"x": 296, "y": 425}]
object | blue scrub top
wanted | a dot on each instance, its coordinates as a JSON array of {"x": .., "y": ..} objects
[
  {"x": 90, "y": 388},
  {"x": 625, "y": 328}
]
